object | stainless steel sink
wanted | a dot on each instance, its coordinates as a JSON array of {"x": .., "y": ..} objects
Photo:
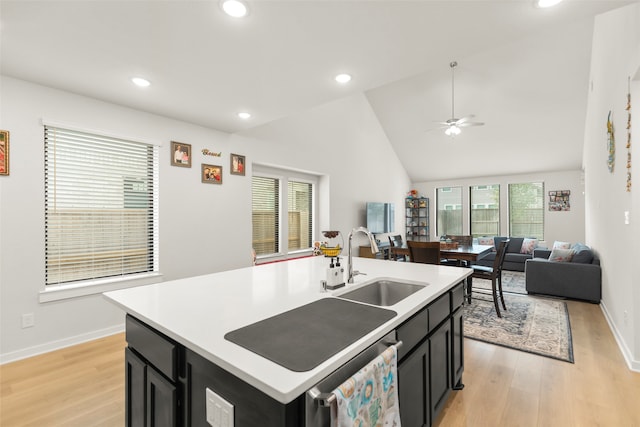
[{"x": 382, "y": 292}]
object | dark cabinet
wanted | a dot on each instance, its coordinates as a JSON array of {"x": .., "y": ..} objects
[
  {"x": 457, "y": 337},
  {"x": 431, "y": 361},
  {"x": 413, "y": 388},
  {"x": 151, "y": 386},
  {"x": 440, "y": 368}
]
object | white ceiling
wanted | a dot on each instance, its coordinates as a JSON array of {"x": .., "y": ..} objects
[{"x": 524, "y": 71}]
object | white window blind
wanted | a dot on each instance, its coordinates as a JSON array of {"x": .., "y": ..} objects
[
  {"x": 485, "y": 210},
  {"x": 449, "y": 211},
  {"x": 526, "y": 210},
  {"x": 300, "y": 198},
  {"x": 265, "y": 215},
  {"x": 101, "y": 206}
]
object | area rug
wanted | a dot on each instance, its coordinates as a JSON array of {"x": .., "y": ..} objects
[
  {"x": 512, "y": 281},
  {"x": 535, "y": 325}
]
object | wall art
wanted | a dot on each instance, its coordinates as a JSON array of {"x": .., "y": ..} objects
[
  {"x": 611, "y": 144},
  {"x": 180, "y": 154},
  {"x": 4, "y": 152},
  {"x": 211, "y": 174},
  {"x": 206, "y": 152},
  {"x": 559, "y": 200},
  {"x": 237, "y": 164}
]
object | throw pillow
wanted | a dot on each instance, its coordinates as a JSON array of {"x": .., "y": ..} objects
[
  {"x": 577, "y": 247},
  {"x": 561, "y": 245},
  {"x": 585, "y": 256},
  {"x": 528, "y": 245},
  {"x": 561, "y": 255},
  {"x": 488, "y": 241}
]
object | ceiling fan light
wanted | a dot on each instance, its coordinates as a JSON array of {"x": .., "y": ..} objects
[
  {"x": 546, "y": 3},
  {"x": 234, "y": 8},
  {"x": 452, "y": 130}
]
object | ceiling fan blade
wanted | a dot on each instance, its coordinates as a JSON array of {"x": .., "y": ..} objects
[
  {"x": 465, "y": 124},
  {"x": 465, "y": 118}
]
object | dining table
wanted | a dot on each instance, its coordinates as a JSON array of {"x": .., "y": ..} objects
[{"x": 469, "y": 253}]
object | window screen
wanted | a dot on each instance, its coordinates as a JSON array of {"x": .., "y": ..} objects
[
  {"x": 265, "y": 215},
  {"x": 485, "y": 210},
  {"x": 101, "y": 201},
  {"x": 526, "y": 210}
]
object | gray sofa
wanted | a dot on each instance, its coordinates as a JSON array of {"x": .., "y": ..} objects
[
  {"x": 513, "y": 259},
  {"x": 580, "y": 278}
]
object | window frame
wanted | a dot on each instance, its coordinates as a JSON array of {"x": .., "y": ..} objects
[
  {"x": 542, "y": 208},
  {"x": 452, "y": 208},
  {"x": 284, "y": 176},
  {"x": 77, "y": 288},
  {"x": 486, "y": 205}
]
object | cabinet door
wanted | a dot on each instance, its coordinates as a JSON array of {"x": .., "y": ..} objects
[
  {"x": 162, "y": 400},
  {"x": 413, "y": 387},
  {"x": 440, "y": 373},
  {"x": 135, "y": 389},
  {"x": 457, "y": 349}
]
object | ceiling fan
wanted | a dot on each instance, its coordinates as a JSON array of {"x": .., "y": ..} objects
[{"x": 453, "y": 125}]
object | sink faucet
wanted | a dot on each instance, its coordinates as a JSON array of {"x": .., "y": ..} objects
[{"x": 374, "y": 249}]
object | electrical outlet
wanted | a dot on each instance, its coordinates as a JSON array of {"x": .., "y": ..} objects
[
  {"x": 219, "y": 412},
  {"x": 28, "y": 320},
  {"x": 625, "y": 317}
]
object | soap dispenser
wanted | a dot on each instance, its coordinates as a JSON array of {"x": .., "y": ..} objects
[{"x": 335, "y": 274}]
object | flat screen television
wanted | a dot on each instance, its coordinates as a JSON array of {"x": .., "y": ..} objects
[{"x": 380, "y": 217}]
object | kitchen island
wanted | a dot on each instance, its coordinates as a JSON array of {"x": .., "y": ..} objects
[{"x": 179, "y": 329}]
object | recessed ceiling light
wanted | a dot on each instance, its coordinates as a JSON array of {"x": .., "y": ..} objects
[
  {"x": 234, "y": 8},
  {"x": 244, "y": 115},
  {"x": 546, "y": 3},
  {"x": 343, "y": 78},
  {"x": 139, "y": 81}
]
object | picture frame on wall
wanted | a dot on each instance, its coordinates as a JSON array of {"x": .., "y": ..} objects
[
  {"x": 211, "y": 174},
  {"x": 237, "y": 164},
  {"x": 180, "y": 154},
  {"x": 4, "y": 152}
]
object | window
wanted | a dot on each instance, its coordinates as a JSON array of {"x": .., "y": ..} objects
[
  {"x": 485, "y": 210},
  {"x": 265, "y": 215},
  {"x": 526, "y": 210},
  {"x": 449, "y": 213},
  {"x": 300, "y": 210},
  {"x": 276, "y": 195},
  {"x": 101, "y": 201}
]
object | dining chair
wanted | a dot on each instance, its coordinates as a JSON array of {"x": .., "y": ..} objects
[
  {"x": 424, "y": 252},
  {"x": 396, "y": 242},
  {"x": 493, "y": 273},
  {"x": 461, "y": 241}
]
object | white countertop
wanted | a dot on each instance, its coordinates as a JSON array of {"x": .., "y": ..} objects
[{"x": 197, "y": 312}]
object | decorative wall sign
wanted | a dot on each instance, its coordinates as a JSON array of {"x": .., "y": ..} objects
[
  {"x": 559, "y": 200},
  {"x": 237, "y": 164},
  {"x": 211, "y": 174},
  {"x": 628, "y": 134},
  {"x": 180, "y": 154},
  {"x": 611, "y": 144},
  {"x": 4, "y": 152},
  {"x": 211, "y": 153}
]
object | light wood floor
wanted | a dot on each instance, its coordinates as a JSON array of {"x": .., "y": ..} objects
[{"x": 84, "y": 385}]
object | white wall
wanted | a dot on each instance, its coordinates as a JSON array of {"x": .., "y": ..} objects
[
  {"x": 566, "y": 226},
  {"x": 203, "y": 228},
  {"x": 615, "y": 57}
]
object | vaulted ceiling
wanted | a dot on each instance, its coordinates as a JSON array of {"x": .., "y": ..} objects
[{"x": 523, "y": 71}]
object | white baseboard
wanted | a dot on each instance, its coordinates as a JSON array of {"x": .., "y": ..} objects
[
  {"x": 633, "y": 365},
  {"x": 57, "y": 345}
]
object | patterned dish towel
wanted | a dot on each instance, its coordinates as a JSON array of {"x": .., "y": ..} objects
[{"x": 370, "y": 397}]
